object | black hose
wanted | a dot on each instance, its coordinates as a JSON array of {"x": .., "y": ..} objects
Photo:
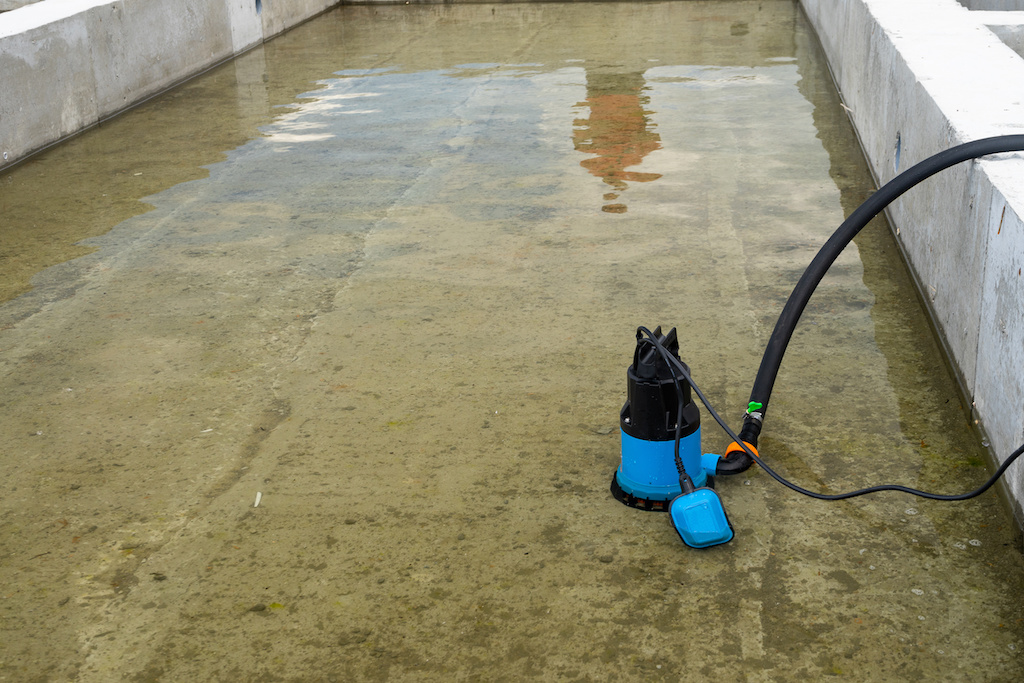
[{"x": 739, "y": 461}]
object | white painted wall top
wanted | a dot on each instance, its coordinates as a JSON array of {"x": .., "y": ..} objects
[{"x": 30, "y": 17}]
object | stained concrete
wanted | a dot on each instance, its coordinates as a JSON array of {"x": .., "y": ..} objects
[
  {"x": 371, "y": 275},
  {"x": 398, "y": 308},
  {"x": 917, "y": 76}
]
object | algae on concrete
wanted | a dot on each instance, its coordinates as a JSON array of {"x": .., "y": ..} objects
[{"x": 378, "y": 288}]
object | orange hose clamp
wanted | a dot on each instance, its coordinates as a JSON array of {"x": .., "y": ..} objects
[{"x": 734, "y": 447}]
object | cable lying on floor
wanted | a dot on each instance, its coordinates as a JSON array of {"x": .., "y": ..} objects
[{"x": 681, "y": 368}]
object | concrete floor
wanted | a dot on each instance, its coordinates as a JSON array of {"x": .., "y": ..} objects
[{"x": 369, "y": 272}]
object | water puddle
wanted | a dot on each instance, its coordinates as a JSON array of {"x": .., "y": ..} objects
[{"x": 382, "y": 276}]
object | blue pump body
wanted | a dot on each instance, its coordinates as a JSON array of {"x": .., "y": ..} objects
[{"x": 648, "y": 468}]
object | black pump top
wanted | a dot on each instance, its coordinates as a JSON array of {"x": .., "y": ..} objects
[
  {"x": 647, "y": 362},
  {"x": 652, "y": 395}
]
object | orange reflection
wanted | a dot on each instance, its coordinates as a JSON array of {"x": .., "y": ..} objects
[{"x": 618, "y": 131}]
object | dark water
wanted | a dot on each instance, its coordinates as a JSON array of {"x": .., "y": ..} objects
[{"x": 386, "y": 271}]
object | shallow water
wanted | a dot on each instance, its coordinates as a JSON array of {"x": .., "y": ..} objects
[{"x": 386, "y": 271}]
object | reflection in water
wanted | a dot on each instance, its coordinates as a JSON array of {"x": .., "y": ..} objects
[{"x": 618, "y": 131}]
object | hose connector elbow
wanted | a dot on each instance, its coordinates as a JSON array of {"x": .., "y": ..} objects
[{"x": 736, "y": 459}]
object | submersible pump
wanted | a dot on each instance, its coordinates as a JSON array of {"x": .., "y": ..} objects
[{"x": 662, "y": 466}]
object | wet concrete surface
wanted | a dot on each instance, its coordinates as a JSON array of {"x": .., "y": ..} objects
[{"x": 369, "y": 273}]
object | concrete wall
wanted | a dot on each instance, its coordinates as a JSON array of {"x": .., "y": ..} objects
[
  {"x": 64, "y": 66},
  {"x": 920, "y": 76}
]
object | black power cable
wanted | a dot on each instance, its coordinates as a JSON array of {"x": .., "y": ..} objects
[{"x": 681, "y": 369}]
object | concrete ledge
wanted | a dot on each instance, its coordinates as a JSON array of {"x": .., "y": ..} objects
[
  {"x": 1009, "y": 26},
  {"x": 918, "y": 77},
  {"x": 65, "y": 65}
]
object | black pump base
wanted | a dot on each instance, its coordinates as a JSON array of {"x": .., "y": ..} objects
[
  {"x": 634, "y": 502},
  {"x": 644, "y": 503}
]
